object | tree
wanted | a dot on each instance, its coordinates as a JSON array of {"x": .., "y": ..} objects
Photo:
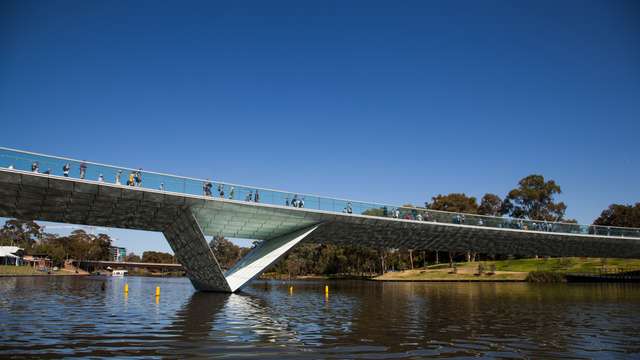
[
  {"x": 99, "y": 248},
  {"x": 454, "y": 202},
  {"x": 491, "y": 205},
  {"x": 131, "y": 257},
  {"x": 534, "y": 199},
  {"x": 51, "y": 246},
  {"x": 157, "y": 257},
  {"x": 21, "y": 233},
  {"x": 78, "y": 245},
  {"x": 620, "y": 215},
  {"x": 225, "y": 251}
]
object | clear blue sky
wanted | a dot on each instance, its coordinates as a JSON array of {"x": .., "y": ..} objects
[{"x": 393, "y": 101}]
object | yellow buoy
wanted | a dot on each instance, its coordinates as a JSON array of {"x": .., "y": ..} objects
[
  {"x": 126, "y": 287},
  {"x": 290, "y": 290},
  {"x": 157, "y": 290},
  {"x": 326, "y": 289}
]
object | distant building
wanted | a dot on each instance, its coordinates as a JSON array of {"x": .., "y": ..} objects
[
  {"x": 11, "y": 255},
  {"x": 117, "y": 253},
  {"x": 40, "y": 262}
]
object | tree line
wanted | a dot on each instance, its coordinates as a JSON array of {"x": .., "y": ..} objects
[{"x": 78, "y": 245}]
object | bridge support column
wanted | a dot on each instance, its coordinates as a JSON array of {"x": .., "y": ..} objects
[
  {"x": 263, "y": 255},
  {"x": 192, "y": 251}
]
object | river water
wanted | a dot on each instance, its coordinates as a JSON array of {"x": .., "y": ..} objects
[{"x": 55, "y": 317}]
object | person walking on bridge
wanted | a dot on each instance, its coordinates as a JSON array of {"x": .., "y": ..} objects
[
  {"x": 232, "y": 193},
  {"x": 257, "y": 197},
  {"x": 206, "y": 188},
  {"x": 138, "y": 178},
  {"x": 35, "y": 167},
  {"x": 348, "y": 209},
  {"x": 118, "y": 176},
  {"x": 83, "y": 169},
  {"x": 65, "y": 169},
  {"x": 130, "y": 181}
]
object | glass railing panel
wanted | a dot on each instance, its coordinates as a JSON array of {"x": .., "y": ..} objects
[{"x": 326, "y": 204}]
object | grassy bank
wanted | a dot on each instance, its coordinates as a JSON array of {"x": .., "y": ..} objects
[
  {"x": 11, "y": 270},
  {"x": 534, "y": 270}
]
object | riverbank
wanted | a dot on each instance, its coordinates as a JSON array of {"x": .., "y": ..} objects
[
  {"x": 533, "y": 270},
  {"x": 285, "y": 277},
  {"x": 11, "y": 270},
  {"x": 462, "y": 273}
]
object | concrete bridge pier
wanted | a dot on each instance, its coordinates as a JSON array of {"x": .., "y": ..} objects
[{"x": 187, "y": 240}]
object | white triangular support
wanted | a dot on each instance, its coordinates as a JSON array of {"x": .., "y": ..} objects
[{"x": 263, "y": 255}]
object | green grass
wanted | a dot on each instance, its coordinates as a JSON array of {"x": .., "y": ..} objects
[
  {"x": 18, "y": 270},
  {"x": 534, "y": 270},
  {"x": 562, "y": 265}
]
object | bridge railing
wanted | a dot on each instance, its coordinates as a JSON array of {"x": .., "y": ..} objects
[{"x": 54, "y": 166}]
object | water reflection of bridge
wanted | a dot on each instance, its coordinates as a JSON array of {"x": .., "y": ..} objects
[{"x": 176, "y": 207}]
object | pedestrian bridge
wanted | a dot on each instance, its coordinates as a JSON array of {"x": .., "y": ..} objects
[{"x": 34, "y": 186}]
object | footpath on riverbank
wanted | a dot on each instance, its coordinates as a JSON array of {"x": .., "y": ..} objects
[{"x": 533, "y": 270}]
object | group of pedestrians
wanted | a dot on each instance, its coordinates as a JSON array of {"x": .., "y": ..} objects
[
  {"x": 134, "y": 178},
  {"x": 295, "y": 202},
  {"x": 251, "y": 197},
  {"x": 207, "y": 190},
  {"x": 35, "y": 167}
]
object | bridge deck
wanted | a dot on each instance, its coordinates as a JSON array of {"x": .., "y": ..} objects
[
  {"x": 60, "y": 199},
  {"x": 174, "y": 190}
]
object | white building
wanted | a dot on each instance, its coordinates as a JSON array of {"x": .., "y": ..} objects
[{"x": 11, "y": 255}]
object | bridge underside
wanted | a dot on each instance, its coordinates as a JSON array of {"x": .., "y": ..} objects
[{"x": 185, "y": 221}]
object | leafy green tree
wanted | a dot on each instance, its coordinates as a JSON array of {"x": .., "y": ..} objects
[
  {"x": 534, "y": 199},
  {"x": 157, "y": 257},
  {"x": 132, "y": 257},
  {"x": 491, "y": 205},
  {"x": 51, "y": 246},
  {"x": 21, "y": 233},
  {"x": 225, "y": 251},
  {"x": 100, "y": 245},
  {"x": 78, "y": 245},
  {"x": 454, "y": 202},
  {"x": 620, "y": 215}
]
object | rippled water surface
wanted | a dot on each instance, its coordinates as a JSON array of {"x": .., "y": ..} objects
[{"x": 54, "y": 317}]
